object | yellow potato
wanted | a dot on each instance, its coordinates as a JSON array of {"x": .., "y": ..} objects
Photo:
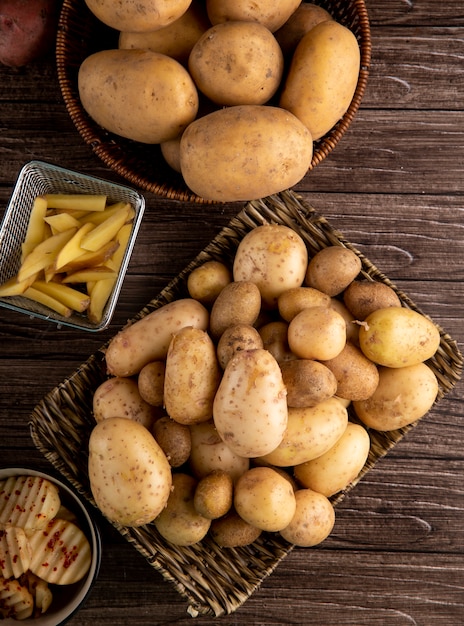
[
  {"x": 397, "y": 337},
  {"x": 244, "y": 152},
  {"x": 332, "y": 269},
  {"x": 148, "y": 339},
  {"x": 322, "y": 77},
  {"x": 317, "y": 333},
  {"x": 237, "y": 63},
  {"x": 307, "y": 382},
  {"x": 357, "y": 377},
  {"x": 170, "y": 151},
  {"x": 138, "y": 15},
  {"x": 313, "y": 521},
  {"x": 205, "y": 282},
  {"x": 274, "y": 257},
  {"x": 306, "y": 16},
  {"x": 120, "y": 397},
  {"x": 294, "y": 300},
  {"x": 150, "y": 382},
  {"x": 311, "y": 432},
  {"x": 214, "y": 495},
  {"x": 339, "y": 466},
  {"x": 138, "y": 94},
  {"x": 268, "y": 12},
  {"x": 191, "y": 377},
  {"x": 274, "y": 336},
  {"x": 130, "y": 476},
  {"x": 250, "y": 406},
  {"x": 403, "y": 395},
  {"x": 238, "y": 303}
]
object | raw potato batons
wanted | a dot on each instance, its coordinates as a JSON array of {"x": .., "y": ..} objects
[{"x": 138, "y": 15}]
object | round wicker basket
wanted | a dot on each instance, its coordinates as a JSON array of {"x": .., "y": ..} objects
[{"x": 81, "y": 34}]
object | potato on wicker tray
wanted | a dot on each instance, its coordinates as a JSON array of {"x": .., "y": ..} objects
[
  {"x": 39, "y": 546},
  {"x": 270, "y": 426},
  {"x": 234, "y": 93}
]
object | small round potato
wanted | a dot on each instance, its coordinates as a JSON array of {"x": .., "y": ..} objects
[
  {"x": 275, "y": 339},
  {"x": 332, "y": 269},
  {"x": 295, "y": 300},
  {"x": 205, "y": 282},
  {"x": 318, "y": 333},
  {"x": 363, "y": 297},
  {"x": 231, "y": 531},
  {"x": 403, "y": 395},
  {"x": 214, "y": 494},
  {"x": 236, "y": 338},
  {"x": 120, "y": 397},
  {"x": 313, "y": 521},
  {"x": 179, "y": 523},
  {"x": 339, "y": 466},
  {"x": 356, "y": 376},
  {"x": 306, "y": 16},
  {"x": 151, "y": 382},
  {"x": 238, "y": 303},
  {"x": 174, "y": 439},
  {"x": 308, "y": 382},
  {"x": 265, "y": 499}
]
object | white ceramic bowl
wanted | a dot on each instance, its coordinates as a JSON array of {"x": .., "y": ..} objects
[{"x": 67, "y": 599}]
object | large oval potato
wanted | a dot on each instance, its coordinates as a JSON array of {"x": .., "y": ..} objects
[
  {"x": 237, "y": 63},
  {"x": 322, "y": 77},
  {"x": 250, "y": 408},
  {"x": 268, "y": 12},
  {"x": 138, "y": 94},
  {"x": 148, "y": 339},
  {"x": 130, "y": 476},
  {"x": 403, "y": 395},
  {"x": 138, "y": 15},
  {"x": 244, "y": 152}
]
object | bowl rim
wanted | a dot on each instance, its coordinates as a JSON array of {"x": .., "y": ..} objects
[{"x": 64, "y": 614}]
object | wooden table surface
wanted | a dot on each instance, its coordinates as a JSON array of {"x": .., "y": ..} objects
[{"x": 395, "y": 187}]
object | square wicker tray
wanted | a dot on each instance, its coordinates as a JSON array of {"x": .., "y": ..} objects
[{"x": 214, "y": 581}]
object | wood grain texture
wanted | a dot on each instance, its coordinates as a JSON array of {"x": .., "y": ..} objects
[{"x": 394, "y": 187}]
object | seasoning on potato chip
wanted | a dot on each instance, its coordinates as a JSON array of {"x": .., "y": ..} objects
[
  {"x": 28, "y": 501},
  {"x": 15, "y": 552}
]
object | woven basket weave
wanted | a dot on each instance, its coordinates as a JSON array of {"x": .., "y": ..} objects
[
  {"x": 214, "y": 581},
  {"x": 80, "y": 34}
]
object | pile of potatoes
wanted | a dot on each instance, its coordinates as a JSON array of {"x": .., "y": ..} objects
[
  {"x": 226, "y": 411},
  {"x": 235, "y": 93}
]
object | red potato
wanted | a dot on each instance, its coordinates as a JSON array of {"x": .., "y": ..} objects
[{"x": 27, "y": 30}]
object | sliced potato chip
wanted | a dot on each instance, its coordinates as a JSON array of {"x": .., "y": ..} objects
[
  {"x": 61, "y": 553},
  {"x": 15, "y": 552},
  {"x": 40, "y": 591},
  {"x": 28, "y": 501},
  {"x": 16, "y": 600}
]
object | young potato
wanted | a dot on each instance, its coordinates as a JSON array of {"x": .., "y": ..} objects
[
  {"x": 120, "y": 397},
  {"x": 265, "y": 499},
  {"x": 138, "y": 94},
  {"x": 237, "y": 62},
  {"x": 356, "y": 376},
  {"x": 307, "y": 382},
  {"x": 124, "y": 495},
  {"x": 318, "y": 333},
  {"x": 192, "y": 376},
  {"x": 238, "y": 303},
  {"x": 268, "y": 12},
  {"x": 294, "y": 300},
  {"x": 235, "y": 338},
  {"x": 339, "y": 466},
  {"x": 174, "y": 440},
  {"x": 332, "y": 269},
  {"x": 274, "y": 257},
  {"x": 138, "y": 16},
  {"x": 209, "y": 453},
  {"x": 306, "y": 16},
  {"x": 150, "y": 382},
  {"x": 274, "y": 336},
  {"x": 250, "y": 407},
  {"x": 244, "y": 152},
  {"x": 313, "y": 521},
  {"x": 231, "y": 531},
  {"x": 403, "y": 395},
  {"x": 398, "y": 337},
  {"x": 311, "y": 432},
  {"x": 214, "y": 495},
  {"x": 179, "y": 523},
  {"x": 322, "y": 78},
  {"x": 363, "y": 297},
  {"x": 148, "y": 338},
  {"x": 205, "y": 282}
]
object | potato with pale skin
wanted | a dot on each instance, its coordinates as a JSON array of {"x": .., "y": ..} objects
[
  {"x": 313, "y": 521},
  {"x": 205, "y": 282},
  {"x": 356, "y": 376},
  {"x": 150, "y": 382},
  {"x": 306, "y": 16},
  {"x": 138, "y": 15},
  {"x": 120, "y": 397},
  {"x": 318, "y": 333},
  {"x": 294, "y": 300},
  {"x": 274, "y": 336},
  {"x": 268, "y": 12}
]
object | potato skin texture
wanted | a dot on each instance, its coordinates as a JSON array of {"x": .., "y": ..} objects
[
  {"x": 306, "y": 16},
  {"x": 138, "y": 94},
  {"x": 129, "y": 474},
  {"x": 317, "y": 333},
  {"x": 244, "y": 152},
  {"x": 332, "y": 269},
  {"x": 273, "y": 15},
  {"x": 308, "y": 382},
  {"x": 138, "y": 15},
  {"x": 238, "y": 303},
  {"x": 313, "y": 521},
  {"x": 322, "y": 77},
  {"x": 205, "y": 282},
  {"x": 236, "y": 338},
  {"x": 363, "y": 297},
  {"x": 357, "y": 376},
  {"x": 174, "y": 439},
  {"x": 120, "y": 397}
]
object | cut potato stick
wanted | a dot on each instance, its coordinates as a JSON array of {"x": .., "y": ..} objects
[
  {"x": 76, "y": 201},
  {"x": 100, "y": 292},
  {"x": 106, "y": 231},
  {"x": 44, "y": 254},
  {"x": 61, "y": 222},
  {"x": 12, "y": 287},
  {"x": 70, "y": 297},
  {"x": 92, "y": 259},
  {"x": 35, "y": 228},
  {"x": 90, "y": 274},
  {"x": 72, "y": 249},
  {"x": 46, "y": 300},
  {"x": 97, "y": 217},
  {"x": 123, "y": 239}
]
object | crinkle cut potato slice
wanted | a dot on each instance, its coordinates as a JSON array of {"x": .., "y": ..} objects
[{"x": 28, "y": 501}]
